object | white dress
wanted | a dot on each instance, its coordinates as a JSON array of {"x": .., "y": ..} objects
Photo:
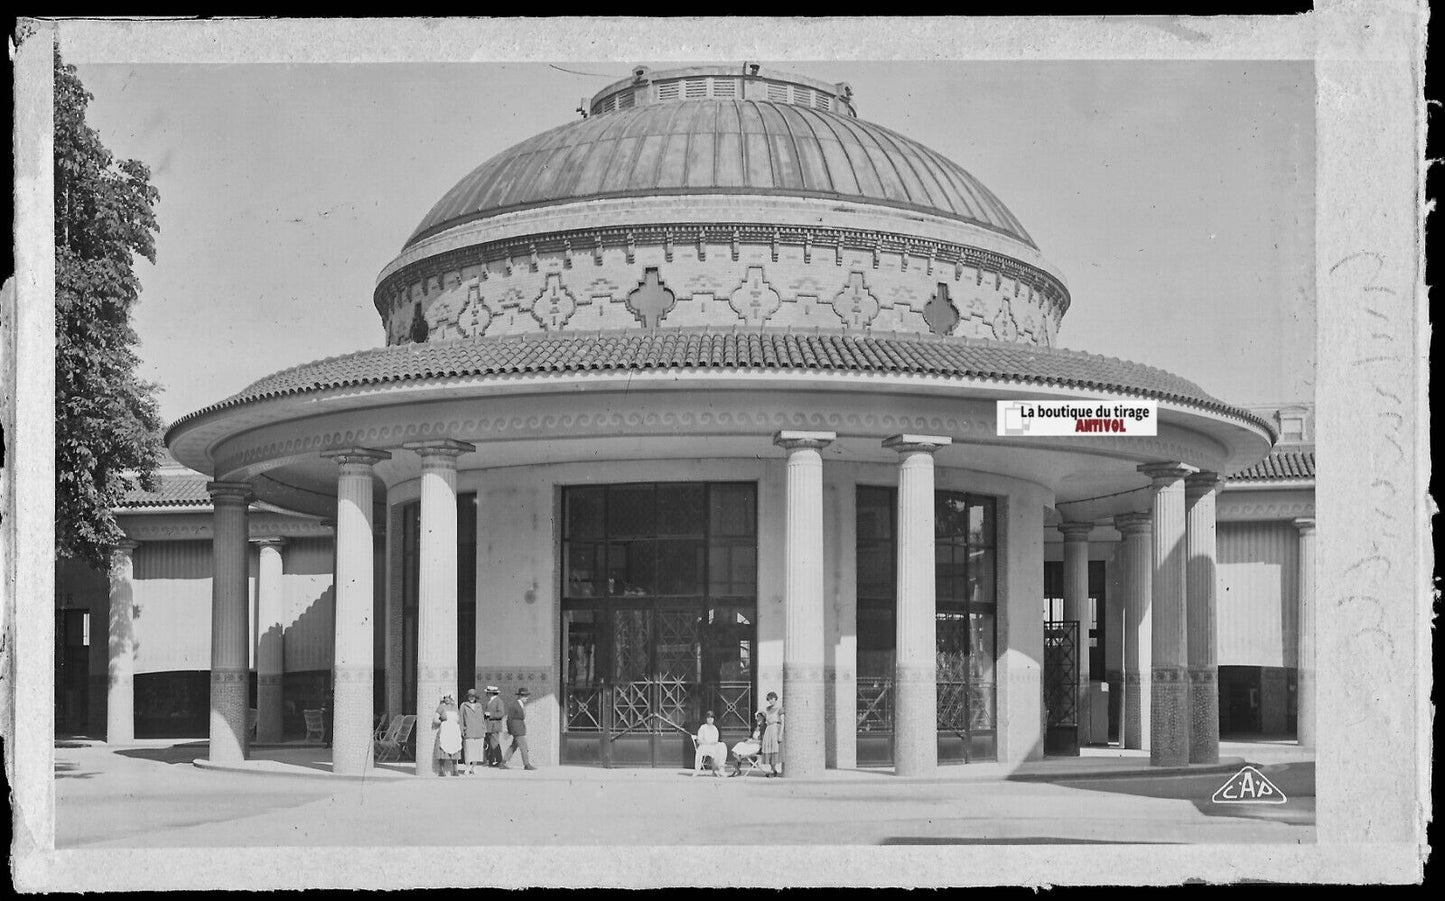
[{"x": 449, "y": 734}]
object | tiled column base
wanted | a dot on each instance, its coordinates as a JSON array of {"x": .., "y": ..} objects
[
  {"x": 803, "y": 720},
  {"x": 228, "y": 716},
  {"x": 1169, "y": 717},
  {"x": 1204, "y": 715},
  {"x": 351, "y": 721},
  {"x": 915, "y": 720},
  {"x": 268, "y": 708},
  {"x": 1136, "y": 712}
]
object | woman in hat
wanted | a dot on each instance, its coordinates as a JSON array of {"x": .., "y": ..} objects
[
  {"x": 772, "y": 720},
  {"x": 448, "y": 745},
  {"x": 474, "y": 732}
]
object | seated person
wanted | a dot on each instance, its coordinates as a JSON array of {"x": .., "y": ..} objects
[{"x": 709, "y": 746}]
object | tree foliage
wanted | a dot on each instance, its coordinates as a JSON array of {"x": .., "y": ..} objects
[{"x": 107, "y": 422}]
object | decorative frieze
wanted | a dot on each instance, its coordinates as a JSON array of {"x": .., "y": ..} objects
[{"x": 480, "y": 290}]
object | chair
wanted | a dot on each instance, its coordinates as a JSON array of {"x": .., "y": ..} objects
[
  {"x": 253, "y": 718},
  {"x": 394, "y": 743},
  {"x": 748, "y": 752},
  {"x": 700, "y": 752},
  {"x": 315, "y": 725},
  {"x": 382, "y": 727}
]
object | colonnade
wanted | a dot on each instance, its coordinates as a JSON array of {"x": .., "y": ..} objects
[
  {"x": 1170, "y": 662},
  {"x": 1168, "y": 561}
]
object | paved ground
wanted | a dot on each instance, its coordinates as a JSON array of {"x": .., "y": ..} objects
[{"x": 151, "y": 795}]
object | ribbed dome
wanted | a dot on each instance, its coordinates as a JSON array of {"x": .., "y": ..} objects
[{"x": 721, "y": 146}]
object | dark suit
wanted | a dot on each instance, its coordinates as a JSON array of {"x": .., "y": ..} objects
[{"x": 517, "y": 726}]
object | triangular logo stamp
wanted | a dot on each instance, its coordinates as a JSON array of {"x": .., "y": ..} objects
[{"x": 1249, "y": 786}]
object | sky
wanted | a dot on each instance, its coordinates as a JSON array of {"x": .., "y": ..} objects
[{"x": 1177, "y": 198}]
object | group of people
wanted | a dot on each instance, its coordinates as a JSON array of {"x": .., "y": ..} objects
[
  {"x": 766, "y": 740},
  {"x": 471, "y": 734}
]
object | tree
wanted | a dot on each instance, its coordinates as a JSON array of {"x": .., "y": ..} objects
[{"x": 107, "y": 421}]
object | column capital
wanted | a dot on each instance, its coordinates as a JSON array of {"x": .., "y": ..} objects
[
  {"x": 230, "y": 492},
  {"x": 440, "y": 447},
  {"x": 124, "y": 546},
  {"x": 364, "y": 455},
  {"x": 1076, "y": 531},
  {"x": 794, "y": 440},
  {"x": 269, "y": 541},
  {"x": 1201, "y": 483},
  {"x": 1133, "y": 523},
  {"x": 906, "y": 444},
  {"x": 1306, "y": 525},
  {"x": 1164, "y": 472}
]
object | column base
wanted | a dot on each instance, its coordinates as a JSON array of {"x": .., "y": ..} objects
[
  {"x": 1305, "y": 709},
  {"x": 1169, "y": 716},
  {"x": 120, "y": 711},
  {"x": 1134, "y": 731},
  {"x": 915, "y": 720},
  {"x": 804, "y": 750},
  {"x": 351, "y": 721},
  {"x": 1204, "y": 715},
  {"x": 229, "y": 692}
]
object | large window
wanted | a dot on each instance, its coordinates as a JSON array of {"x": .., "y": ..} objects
[
  {"x": 659, "y": 602},
  {"x": 966, "y": 603}
]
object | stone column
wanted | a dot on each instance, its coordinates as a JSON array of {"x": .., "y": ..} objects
[
  {"x": 915, "y": 680},
  {"x": 230, "y": 622},
  {"x": 1076, "y": 608},
  {"x": 270, "y": 621},
  {"x": 1305, "y": 648},
  {"x": 1169, "y": 693},
  {"x": 436, "y": 632},
  {"x": 1138, "y": 569},
  {"x": 1199, "y": 494},
  {"x": 352, "y": 666},
  {"x": 120, "y": 646},
  {"x": 395, "y": 624},
  {"x": 804, "y": 743}
]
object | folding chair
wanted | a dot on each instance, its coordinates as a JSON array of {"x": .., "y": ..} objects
[
  {"x": 382, "y": 727},
  {"x": 717, "y": 751},
  {"x": 393, "y": 744},
  {"x": 253, "y": 718},
  {"x": 749, "y": 753}
]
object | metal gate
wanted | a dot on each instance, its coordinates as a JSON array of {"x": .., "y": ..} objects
[{"x": 1061, "y": 687}]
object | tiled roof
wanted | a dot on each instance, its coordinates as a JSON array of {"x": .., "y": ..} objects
[
  {"x": 178, "y": 489},
  {"x": 1280, "y": 465},
  {"x": 713, "y": 349}
]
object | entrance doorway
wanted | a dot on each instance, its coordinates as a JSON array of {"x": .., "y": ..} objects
[{"x": 658, "y": 619}]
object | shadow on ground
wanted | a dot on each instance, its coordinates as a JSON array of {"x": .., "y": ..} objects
[
  {"x": 1295, "y": 780},
  {"x": 66, "y": 770},
  {"x": 175, "y": 754}
]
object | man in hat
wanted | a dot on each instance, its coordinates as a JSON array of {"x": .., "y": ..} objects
[
  {"x": 474, "y": 732},
  {"x": 494, "y": 714},
  {"x": 517, "y": 725}
]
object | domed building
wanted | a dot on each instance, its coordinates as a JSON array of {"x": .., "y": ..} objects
[{"x": 694, "y": 399}]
